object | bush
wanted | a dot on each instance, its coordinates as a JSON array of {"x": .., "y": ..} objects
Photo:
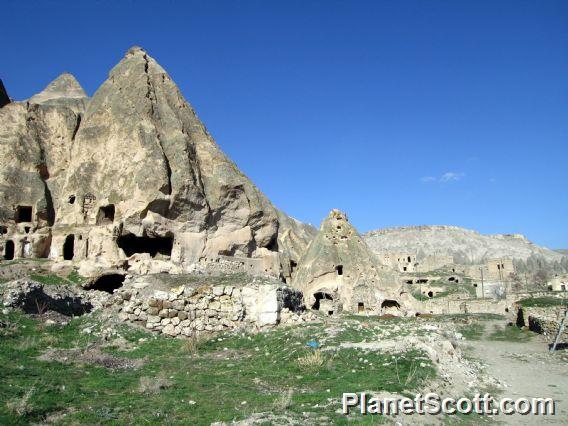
[
  {"x": 312, "y": 361},
  {"x": 153, "y": 385}
]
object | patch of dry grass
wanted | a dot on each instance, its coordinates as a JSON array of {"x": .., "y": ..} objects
[
  {"x": 284, "y": 400},
  {"x": 153, "y": 385},
  {"x": 21, "y": 406},
  {"x": 312, "y": 361},
  {"x": 193, "y": 343}
]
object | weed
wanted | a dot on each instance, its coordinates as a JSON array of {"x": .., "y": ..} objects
[
  {"x": 284, "y": 401},
  {"x": 153, "y": 385},
  {"x": 21, "y": 406},
  {"x": 193, "y": 343},
  {"x": 312, "y": 361}
]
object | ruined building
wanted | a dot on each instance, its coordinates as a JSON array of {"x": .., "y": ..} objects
[
  {"x": 339, "y": 272},
  {"x": 131, "y": 179}
]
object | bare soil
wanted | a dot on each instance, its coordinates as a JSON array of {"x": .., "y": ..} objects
[{"x": 528, "y": 370}]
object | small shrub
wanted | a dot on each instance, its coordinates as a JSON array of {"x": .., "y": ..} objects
[
  {"x": 192, "y": 344},
  {"x": 27, "y": 343},
  {"x": 21, "y": 406},
  {"x": 312, "y": 361},
  {"x": 284, "y": 401},
  {"x": 153, "y": 385}
]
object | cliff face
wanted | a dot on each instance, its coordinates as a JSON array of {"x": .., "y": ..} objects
[
  {"x": 464, "y": 245},
  {"x": 133, "y": 171}
]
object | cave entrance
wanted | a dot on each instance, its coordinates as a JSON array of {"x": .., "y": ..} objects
[
  {"x": 360, "y": 307},
  {"x": 430, "y": 294},
  {"x": 132, "y": 244},
  {"x": 23, "y": 214},
  {"x": 69, "y": 247},
  {"x": 293, "y": 265},
  {"x": 105, "y": 215},
  {"x": 107, "y": 283},
  {"x": 324, "y": 301},
  {"x": 339, "y": 269},
  {"x": 9, "y": 250},
  {"x": 390, "y": 307}
]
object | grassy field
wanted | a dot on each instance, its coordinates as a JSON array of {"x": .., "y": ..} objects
[
  {"x": 542, "y": 302},
  {"x": 191, "y": 381},
  {"x": 511, "y": 334}
]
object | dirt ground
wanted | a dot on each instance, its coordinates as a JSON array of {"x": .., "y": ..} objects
[{"x": 528, "y": 370}]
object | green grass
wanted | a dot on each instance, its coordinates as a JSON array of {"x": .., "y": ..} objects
[
  {"x": 6, "y": 263},
  {"x": 49, "y": 279},
  {"x": 511, "y": 334},
  {"x": 75, "y": 278},
  {"x": 472, "y": 331},
  {"x": 219, "y": 377},
  {"x": 53, "y": 279},
  {"x": 542, "y": 302}
]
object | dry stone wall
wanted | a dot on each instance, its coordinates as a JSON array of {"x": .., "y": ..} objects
[
  {"x": 187, "y": 310},
  {"x": 543, "y": 320}
]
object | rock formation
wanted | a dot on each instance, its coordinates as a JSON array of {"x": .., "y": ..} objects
[
  {"x": 463, "y": 245},
  {"x": 339, "y": 272},
  {"x": 131, "y": 179}
]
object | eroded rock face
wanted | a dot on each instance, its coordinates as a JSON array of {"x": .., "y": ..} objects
[
  {"x": 339, "y": 272},
  {"x": 35, "y": 141},
  {"x": 133, "y": 174},
  {"x": 66, "y": 91}
]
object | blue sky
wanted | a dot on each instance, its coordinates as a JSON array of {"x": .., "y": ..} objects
[{"x": 397, "y": 112}]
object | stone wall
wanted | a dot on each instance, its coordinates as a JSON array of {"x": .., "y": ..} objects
[
  {"x": 186, "y": 310},
  {"x": 545, "y": 320},
  {"x": 464, "y": 306}
]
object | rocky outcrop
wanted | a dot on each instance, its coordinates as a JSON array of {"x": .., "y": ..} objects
[
  {"x": 65, "y": 91},
  {"x": 339, "y": 272},
  {"x": 35, "y": 141},
  {"x": 464, "y": 245},
  {"x": 131, "y": 178}
]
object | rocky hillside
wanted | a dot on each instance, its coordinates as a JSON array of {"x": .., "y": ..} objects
[
  {"x": 465, "y": 245},
  {"x": 131, "y": 164}
]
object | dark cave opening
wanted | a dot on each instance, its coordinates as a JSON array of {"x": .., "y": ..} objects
[
  {"x": 105, "y": 215},
  {"x": 23, "y": 214},
  {"x": 320, "y": 295},
  {"x": 9, "y": 250},
  {"x": 69, "y": 247},
  {"x": 131, "y": 244},
  {"x": 107, "y": 283}
]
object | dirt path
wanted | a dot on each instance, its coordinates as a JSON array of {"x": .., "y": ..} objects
[{"x": 528, "y": 370}]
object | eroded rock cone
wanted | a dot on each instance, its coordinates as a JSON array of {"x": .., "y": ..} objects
[{"x": 339, "y": 272}]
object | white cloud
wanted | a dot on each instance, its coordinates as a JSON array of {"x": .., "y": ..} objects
[
  {"x": 449, "y": 176},
  {"x": 446, "y": 177},
  {"x": 428, "y": 179}
]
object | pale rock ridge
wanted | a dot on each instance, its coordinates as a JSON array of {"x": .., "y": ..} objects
[{"x": 466, "y": 246}]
